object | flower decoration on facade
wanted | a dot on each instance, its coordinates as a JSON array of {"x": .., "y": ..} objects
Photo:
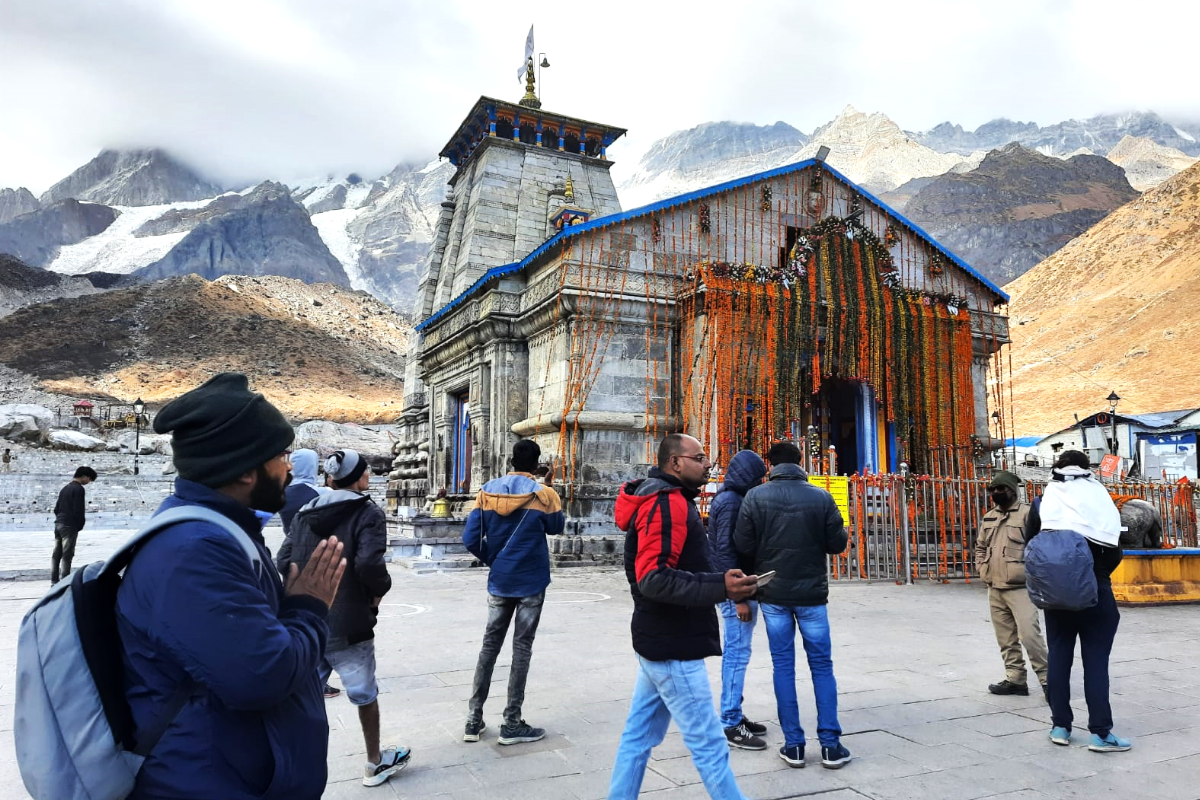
[
  {"x": 766, "y": 198},
  {"x": 656, "y": 229},
  {"x": 937, "y": 264},
  {"x": 891, "y": 236},
  {"x": 705, "y": 218}
]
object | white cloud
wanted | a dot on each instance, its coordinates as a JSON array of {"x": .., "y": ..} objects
[{"x": 246, "y": 89}]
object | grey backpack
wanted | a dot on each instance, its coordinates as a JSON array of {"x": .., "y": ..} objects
[
  {"x": 73, "y": 728},
  {"x": 1058, "y": 571}
]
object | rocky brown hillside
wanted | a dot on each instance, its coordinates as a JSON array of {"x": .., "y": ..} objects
[
  {"x": 1116, "y": 309},
  {"x": 1018, "y": 207},
  {"x": 317, "y": 351}
]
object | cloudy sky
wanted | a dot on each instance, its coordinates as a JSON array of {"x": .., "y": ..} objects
[{"x": 251, "y": 89}]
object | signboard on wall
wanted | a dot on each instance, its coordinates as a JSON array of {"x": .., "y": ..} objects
[
  {"x": 839, "y": 487},
  {"x": 1109, "y": 465},
  {"x": 1170, "y": 456}
]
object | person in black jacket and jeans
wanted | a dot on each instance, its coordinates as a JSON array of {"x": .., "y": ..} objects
[
  {"x": 69, "y": 521},
  {"x": 675, "y": 592},
  {"x": 361, "y": 526},
  {"x": 791, "y": 527}
]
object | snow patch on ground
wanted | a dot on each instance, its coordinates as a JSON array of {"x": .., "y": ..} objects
[
  {"x": 1185, "y": 134},
  {"x": 116, "y": 249},
  {"x": 357, "y": 195},
  {"x": 333, "y": 225}
]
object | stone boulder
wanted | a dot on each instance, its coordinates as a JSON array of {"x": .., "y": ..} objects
[
  {"x": 146, "y": 444},
  {"x": 23, "y": 422},
  {"x": 325, "y": 437},
  {"x": 61, "y": 439}
]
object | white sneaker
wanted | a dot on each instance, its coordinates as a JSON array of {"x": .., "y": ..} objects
[{"x": 391, "y": 761}]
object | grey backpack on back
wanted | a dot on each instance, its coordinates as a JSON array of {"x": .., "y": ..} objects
[
  {"x": 1058, "y": 571},
  {"x": 73, "y": 728}
]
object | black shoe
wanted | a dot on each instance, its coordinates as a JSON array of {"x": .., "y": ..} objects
[
  {"x": 834, "y": 757},
  {"x": 1008, "y": 687},
  {"x": 472, "y": 731},
  {"x": 794, "y": 756},
  {"x": 740, "y": 736},
  {"x": 757, "y": 728},
  {"x": 520, "y": 733},
  {"x": 331, "y": 691}
]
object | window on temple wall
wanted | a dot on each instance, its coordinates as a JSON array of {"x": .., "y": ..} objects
[
  {"x": 461, "y": 464},
  {"x": 592, "y": 147},
  {"x": 528, "y": 133},
  {"x": 504, "y": 128},
  {"x": 571, "y": 143}
]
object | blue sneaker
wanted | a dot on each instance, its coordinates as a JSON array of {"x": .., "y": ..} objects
[
  {"x": 1109, "y": 744},
  {"x": 794, "y": 755},
  {"x": 834, "y": 757},
  {"x": 1060, "y": 735}
]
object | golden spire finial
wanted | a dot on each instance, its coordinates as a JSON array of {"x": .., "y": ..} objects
[
  {"x": 569, "y": 192},
  {"x": 530, "y": 100}
]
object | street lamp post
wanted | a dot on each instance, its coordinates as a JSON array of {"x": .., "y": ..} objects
[
  {"x": 1113, "y": 399},
  {"x": 138, "y": 408}
]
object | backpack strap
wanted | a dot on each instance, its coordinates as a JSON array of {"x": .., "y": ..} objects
[
  {"x": 122, "y": 558},
  {"x": 189, "y": 513}
]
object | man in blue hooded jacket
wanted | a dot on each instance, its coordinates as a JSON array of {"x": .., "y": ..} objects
[
  {"x": 195, "y": 620},
  {"x": 507, "y": 531},
  {"x": 746, "y": 470}
]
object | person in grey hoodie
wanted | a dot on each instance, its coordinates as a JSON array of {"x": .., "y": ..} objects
[
  {"x": 349, "y": 514},
  {"x": 304, "y": 487},
  {"x": 746, "y": 470}
]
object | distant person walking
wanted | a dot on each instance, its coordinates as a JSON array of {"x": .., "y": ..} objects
[
  {"x": 746, "y": 470},
  {"x": 1000, "y": 559},
  {"x": 6, "y": 461},
  {"x": 790, "y": 527},
  {"x": 675, "y": 590},
  {"x": 69, "y": 521},
  {"x": 507, "y": 530},
  {"x": 1075, "y": 501},
  {"x": 350, "y": 515}
]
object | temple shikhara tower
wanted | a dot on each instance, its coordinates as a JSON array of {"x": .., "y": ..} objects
[{"x": 787, "y": 304}]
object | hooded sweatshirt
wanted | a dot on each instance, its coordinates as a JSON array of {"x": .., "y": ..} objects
[
  {"x": 361, "y": 526},
  {"x": 304, "y": 487},
  {"x": 746, "y": 470},
  {"x": 507, "y": 531}
]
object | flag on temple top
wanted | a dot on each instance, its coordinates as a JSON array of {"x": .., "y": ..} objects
[{"x": 528, "y": 55}]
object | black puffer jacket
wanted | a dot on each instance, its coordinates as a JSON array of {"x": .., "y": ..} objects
[
  {"x": 671, "y": 578},
  {"x": 790, "y": 526},
  {"x": 361, "y": 526}
]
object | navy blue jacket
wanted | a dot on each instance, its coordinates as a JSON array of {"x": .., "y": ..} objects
[
  {"x": 191, "y": 608},
  {"x": 507, "y": 531},
  {"x": 746, "y": 470}
]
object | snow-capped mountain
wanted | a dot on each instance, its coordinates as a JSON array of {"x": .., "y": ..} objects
[
  {"x": 1098, "y": 134},
  {"x": 132, "y": 178},
  {"x": 870, "y": 149},
  {"x": 15, "y": 202},
  {"x": 1148, "y": 163}
]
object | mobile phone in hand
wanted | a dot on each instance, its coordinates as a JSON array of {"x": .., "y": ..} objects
[{"x": 765, "y": 578}]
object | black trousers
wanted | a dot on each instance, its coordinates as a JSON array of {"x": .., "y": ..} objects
[{"x": 1095, "y": 628}]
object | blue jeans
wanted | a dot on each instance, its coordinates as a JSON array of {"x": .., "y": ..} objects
[
  {"x": 676, "y": 690},
  {"x": 781, "y": 622},
  {"x": 733, "y": 664}
]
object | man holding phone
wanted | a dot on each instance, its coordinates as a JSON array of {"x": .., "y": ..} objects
[
  {"x": 788, "y": 528},
  {"x": 675, "y": 590}
]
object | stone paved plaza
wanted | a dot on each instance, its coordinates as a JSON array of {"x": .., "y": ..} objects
[{"x": 912, "y": 666}]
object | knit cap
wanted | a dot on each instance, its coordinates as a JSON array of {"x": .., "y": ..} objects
[
  {"x": 1004, "y": 478},
  {"x": 345, "y": 467},
  {"x": 221, "y": 430}
]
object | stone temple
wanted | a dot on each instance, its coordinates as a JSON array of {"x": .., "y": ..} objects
[{"x": 787, "y": 304}]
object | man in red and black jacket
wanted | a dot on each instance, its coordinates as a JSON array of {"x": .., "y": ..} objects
[{"x": 675, "y": 592}]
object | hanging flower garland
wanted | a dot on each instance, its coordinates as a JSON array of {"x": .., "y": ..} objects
[
  {"x": 705, "y": 219},
  {"x": 766, "y": 197}
]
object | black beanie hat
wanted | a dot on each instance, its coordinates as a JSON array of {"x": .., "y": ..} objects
[
  {"x": 221, "y": 430},
  {"x": 1003, "y": 478}
]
